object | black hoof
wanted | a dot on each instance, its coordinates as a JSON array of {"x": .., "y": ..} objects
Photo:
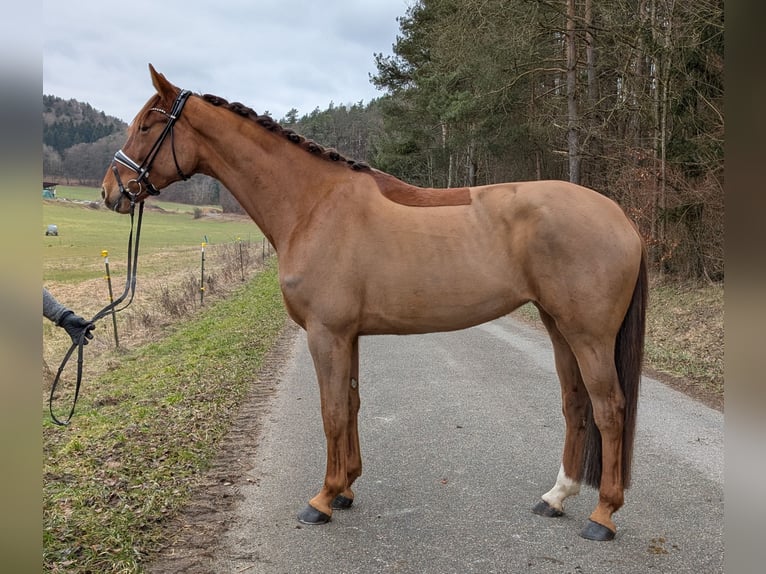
[
  {"x": 312, "y": 516},
  {"x": 544, "y": 509},
  {"x": 596, "y": 531},
  {"x": 341, "y": 502}
]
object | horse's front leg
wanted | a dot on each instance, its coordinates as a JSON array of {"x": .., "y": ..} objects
[{"x": 332, "y": 354}]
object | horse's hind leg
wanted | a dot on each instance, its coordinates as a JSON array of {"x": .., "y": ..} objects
[
  {"x": 353, "y": 455},
  {"x": 603, "y": 468},
  {"x": 574, "y": 401}
]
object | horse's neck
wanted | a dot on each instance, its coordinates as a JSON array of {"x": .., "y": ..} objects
[{"x": 268, "y": 175}]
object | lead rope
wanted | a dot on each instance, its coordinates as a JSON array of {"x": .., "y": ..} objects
[{"x": 130, "y": 287}]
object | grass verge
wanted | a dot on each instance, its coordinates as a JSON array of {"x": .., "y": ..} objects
[{"x": 144, "y": 430}]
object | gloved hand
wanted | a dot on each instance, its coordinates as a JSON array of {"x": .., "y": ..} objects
[{"x": 74, "y": 325}]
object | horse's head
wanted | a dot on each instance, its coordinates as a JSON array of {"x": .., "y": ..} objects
[{"x": 156, "y": 153}]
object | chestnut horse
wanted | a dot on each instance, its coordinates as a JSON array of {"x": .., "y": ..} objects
[{"x": 363, "y": 253}]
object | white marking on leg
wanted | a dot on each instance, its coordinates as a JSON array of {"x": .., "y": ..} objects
[
  {"x": 354, "y": 384},
  {"x": 564, "y": 488}
]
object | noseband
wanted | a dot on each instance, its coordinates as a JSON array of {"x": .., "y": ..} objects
[{"x": 141, "y": 181}]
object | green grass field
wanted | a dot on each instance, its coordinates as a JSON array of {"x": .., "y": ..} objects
[{"x": 83, "y": 233}]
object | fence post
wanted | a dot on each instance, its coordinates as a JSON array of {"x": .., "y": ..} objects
[
  {"x": 105, "y": 255},
  {"x": 202, "y": 278},
  {"x": 241, "y": 259}
]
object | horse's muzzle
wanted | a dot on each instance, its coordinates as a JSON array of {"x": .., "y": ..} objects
[{"x": 115, "y": 201}]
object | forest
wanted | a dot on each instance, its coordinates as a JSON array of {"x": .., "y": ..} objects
[{"x": 625, "y": 97}]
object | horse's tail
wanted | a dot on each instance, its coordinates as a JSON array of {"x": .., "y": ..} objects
[{"x": 628, "y": 358}]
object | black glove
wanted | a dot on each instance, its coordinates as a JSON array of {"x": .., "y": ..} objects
[{"x": 74, "y": 325}]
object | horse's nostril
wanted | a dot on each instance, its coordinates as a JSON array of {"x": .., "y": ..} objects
[{"x": 103, "y": 193}]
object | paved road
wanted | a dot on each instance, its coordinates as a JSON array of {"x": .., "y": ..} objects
[{"x": 461, "y": 433}]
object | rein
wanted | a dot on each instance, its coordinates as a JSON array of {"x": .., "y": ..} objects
[{"x": 130, "y": 288}]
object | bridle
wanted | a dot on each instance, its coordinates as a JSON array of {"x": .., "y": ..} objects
[{"x": 141, "y": 181}]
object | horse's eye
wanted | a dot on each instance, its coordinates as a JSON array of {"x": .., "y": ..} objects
[{"x": 143, "y": 128}]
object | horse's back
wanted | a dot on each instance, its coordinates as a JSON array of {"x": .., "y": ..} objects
[{"x": 558, "y": 214}]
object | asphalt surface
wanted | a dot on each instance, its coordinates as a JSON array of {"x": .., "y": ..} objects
[{"x": 461, "y": 433}]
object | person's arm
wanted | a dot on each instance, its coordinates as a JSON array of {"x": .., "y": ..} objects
[
  {"x": 64, "y": 317},
  {"x": 52, "y": 309}
]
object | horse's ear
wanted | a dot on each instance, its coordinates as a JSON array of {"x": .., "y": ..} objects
[{"x": 161, "y": 84}]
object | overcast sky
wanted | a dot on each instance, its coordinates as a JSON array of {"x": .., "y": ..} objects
[{"x": 272, "y": 55}]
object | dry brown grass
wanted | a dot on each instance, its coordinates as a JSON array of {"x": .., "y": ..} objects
[{"x": 685, "y": 335}]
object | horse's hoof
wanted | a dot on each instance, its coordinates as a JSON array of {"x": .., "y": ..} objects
[
  {"x": 341, "y": 502},
  {"x": 596, "y": 531},
  {"x": 544, "y": 509},
  {"x": 312, "y": 516}
]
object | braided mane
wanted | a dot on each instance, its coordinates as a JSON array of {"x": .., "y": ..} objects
[
  {"x": 268, "y": 123},
  {"x": 392, "y": 188}
]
